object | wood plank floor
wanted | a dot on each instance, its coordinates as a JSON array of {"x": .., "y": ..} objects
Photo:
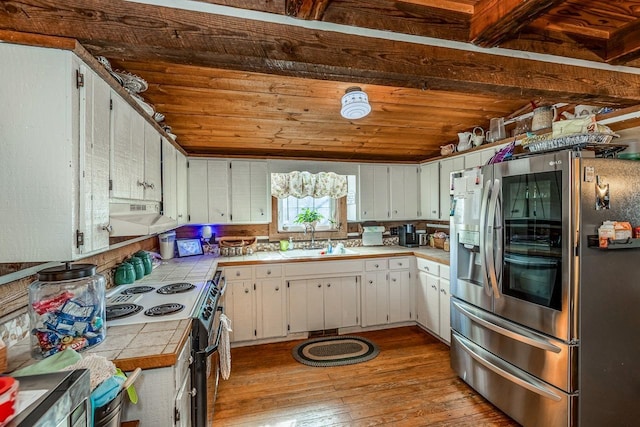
[{"x": 410, "y": 383}]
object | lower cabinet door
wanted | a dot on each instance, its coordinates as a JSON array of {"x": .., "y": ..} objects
[
  {"x": 183, "y": 403},
  {"x": 271, "y": 315},
  {"x": 242, "y": 310}
]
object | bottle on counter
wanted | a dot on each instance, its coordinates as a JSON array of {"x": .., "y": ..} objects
[
  {"x": 290, "y": 243},
  {"x": 67, "y": 309},
  {"x": 446, "y": 244}
]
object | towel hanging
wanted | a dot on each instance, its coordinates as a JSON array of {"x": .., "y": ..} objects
[{"x": 224, "y": 347}]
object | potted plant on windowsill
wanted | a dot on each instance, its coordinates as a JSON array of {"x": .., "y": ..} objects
[{"x": 309, "y": 219}]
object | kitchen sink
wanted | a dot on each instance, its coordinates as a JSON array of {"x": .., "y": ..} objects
[{"x": 305, "y": 253}]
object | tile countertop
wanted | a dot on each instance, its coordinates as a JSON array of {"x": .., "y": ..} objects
[{"x": 156, "y": 345}]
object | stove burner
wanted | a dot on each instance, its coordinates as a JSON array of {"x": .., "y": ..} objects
[
  {"x": 175, "y": 288},
  {"x": 137, "y": 290},
  {"x": 118, "y": 311},
  {"x": 164, "y": 309}
]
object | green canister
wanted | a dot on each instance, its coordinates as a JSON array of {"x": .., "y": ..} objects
[
  {"x": 138, "y": 266},
  {"x": 146, "y": 261}
]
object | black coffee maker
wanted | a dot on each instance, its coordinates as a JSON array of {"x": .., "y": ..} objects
[{"x": 407, "y": 236}]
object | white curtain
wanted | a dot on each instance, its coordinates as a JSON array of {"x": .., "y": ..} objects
[{"x": 303, "y": 184}]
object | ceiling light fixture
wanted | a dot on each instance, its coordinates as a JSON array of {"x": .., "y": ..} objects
[{"x": 355, "y": 104}]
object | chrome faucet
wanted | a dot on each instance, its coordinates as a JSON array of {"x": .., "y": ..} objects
[{"x": 312, "y": 228}]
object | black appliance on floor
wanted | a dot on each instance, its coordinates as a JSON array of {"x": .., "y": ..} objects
[
  {"x": 407, "y": 236},
  {"x": 205, "y": 338}
]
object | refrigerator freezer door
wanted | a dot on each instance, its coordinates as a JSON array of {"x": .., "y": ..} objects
[
  {"x": 546, "y": 358},
  {"x": 525, "y": 398}
]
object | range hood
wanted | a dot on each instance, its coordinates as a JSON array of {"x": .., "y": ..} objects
[{"x": 138, "y": 219}]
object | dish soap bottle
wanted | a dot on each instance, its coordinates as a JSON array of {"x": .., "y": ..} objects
[{"x": 290, "y": 243}]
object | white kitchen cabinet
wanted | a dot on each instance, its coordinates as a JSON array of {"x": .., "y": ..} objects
[
  {"x": 255, "y": 302},
  {"x": 480, "y": 157},
  {"x": 430, "y": 190},
  {"x": 241, "y": 303},
  {"x": 374, "y": 192},
  {"x": 271, "y": 318},
  {"x": 54, "y": 167},
  {"x": 165, "y": 394},
  {"x": 208, "y": 182},
  {"x": 403, "y": 181},
  {"x": 432, "y": 298},
  {"x": 169, "y": 180},
  {"x": 226, "y": 192},
  {"x": 127, "y": 150},
  {"x": 250, "y": 195},
  {"x": 322, "y": 303},
  {"x": 445, "y": 305},
  {"x": 446, "y": 167},
  {"x": 387, "y": 291},
  {"x": 400, "y": 290},
  {"x": 375, "y": 305},
  {"x": 152, "y": 163},
  {"x": 182, "y": 198}
]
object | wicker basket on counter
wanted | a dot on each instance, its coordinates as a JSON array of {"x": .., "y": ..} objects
[{"x": 243, "y": 242}]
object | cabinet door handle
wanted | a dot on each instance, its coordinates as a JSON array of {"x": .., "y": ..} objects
[
  {"x": 434, "y": 287},
  {"x": 237, "y": 273},
  {"x": 371, "y": 282},
  {"x": 141, "y": 184},
  {"x": 246, "y": 290},
  {"x": 376, "y": 265},
  {"x": 443, "y": 291},
  {"x": 277, "y": 288},
  {"x": 151, "y": 186},
  {"x": 393, "y": 280},
  {"x": 108, "y": 228},
  {"x": 400, "y": 264},
  {"x": 328, "y": 285},
  {"x": 319, "y": 285},
  {"x": 268, "y": 272},
  {"x": 193, "y": 392}
]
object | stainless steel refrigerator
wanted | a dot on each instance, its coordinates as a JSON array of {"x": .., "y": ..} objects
[{"x": 545, "y": 324}]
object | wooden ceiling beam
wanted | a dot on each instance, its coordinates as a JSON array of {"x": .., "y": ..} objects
[
  {"x": 624, "y": 45},
  {"x": 495, "y": 21},
  {"x": 306, "y": 9}
]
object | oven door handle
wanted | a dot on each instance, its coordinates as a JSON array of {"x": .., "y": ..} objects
[{"x": 214, "y": 347}]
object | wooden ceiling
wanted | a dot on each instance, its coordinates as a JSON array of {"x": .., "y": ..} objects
[{"x": 265, "y": 78}]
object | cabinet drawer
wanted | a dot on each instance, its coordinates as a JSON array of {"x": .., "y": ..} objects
[
  {"x": 266, "y": 271},
  {"x": 399, "y": 263},
  {"x": 444, "y": 271},
  {"x": 237, "y": 273},
  {"x": 375, "y": 264},
  {"x": 428, "y": 266}
]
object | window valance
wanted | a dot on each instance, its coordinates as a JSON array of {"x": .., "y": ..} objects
[{"x": 303, "y": 184}]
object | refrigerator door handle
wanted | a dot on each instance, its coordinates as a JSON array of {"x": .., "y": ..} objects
[
  {"x": 483, "y": 236},
  {"x": 493, "y": 231},
  {"x": 499, "y": 239},
  {"x": 504, "y": 328},
  {"x": 528, "y": 382}
]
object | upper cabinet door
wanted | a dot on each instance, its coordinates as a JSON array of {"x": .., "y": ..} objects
[
  {"x": 169, "y": 180},
  {"x": 181, "y": 188},
  {"x": 374, "y": 192},
  {"x": 260, "y": 193},
  {"x": 198, "y": 200},
  {"x": 121, "y": 116},
  {"x": 430, "y": 190},
  {"x": 249, "y": 192},
  {"x": 404, "y": 192},
  {"x": 218, "y": 191},
  {"x": 94, "y": 124},
  {"x": 446, "y": 167},
  {"x": 152, "y": 164}
]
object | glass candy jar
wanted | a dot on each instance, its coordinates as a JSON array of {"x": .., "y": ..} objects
[{"x": 66, "y": 309}]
